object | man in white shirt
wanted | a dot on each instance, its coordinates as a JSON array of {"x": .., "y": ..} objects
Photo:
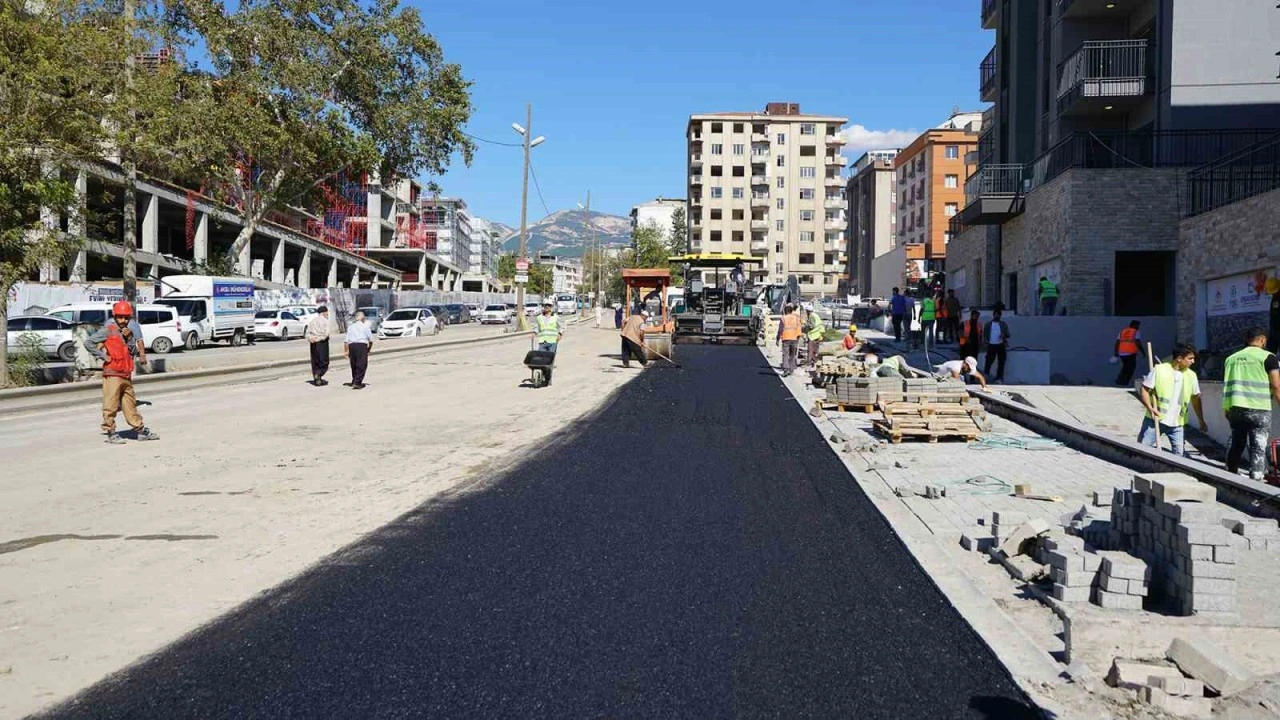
[
  {"x": 318, "y": 338},
  {"x": 996, "y": 335},
  {"x": 357, "y": 345},
  {"x": 1166, "y": 392},
  {"x": 963, "y": 370}
]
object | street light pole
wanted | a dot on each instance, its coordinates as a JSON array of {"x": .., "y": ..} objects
[{"x": 524, "y": 216}]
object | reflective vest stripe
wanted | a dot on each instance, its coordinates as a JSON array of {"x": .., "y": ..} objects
[
  {"x": 548, "y": 329},
  {"x": 1128, "y": 345},
  {"x": 1165, "y": 377},
  {"x": 928, "y": 310},
  {"x": 790, "y": 327},
  {"x": 1048, "y": 289},
  {"x": 818, "y": 331},
  {"x": 1246, "y": 383}
]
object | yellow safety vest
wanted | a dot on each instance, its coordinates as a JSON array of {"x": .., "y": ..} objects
[
  {"x": 1165, "y": 377},
  {"x": 817, "y": 331},
  {"x": 1246, "y": 383},
  {"x": 548, "y": 329},
  {"x": 1048, "y": 289}
]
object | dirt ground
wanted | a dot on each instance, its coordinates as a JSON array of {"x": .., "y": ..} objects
[{"x": 108, "y": 553}]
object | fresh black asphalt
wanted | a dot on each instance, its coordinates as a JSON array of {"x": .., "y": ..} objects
[{"x": 695, "y": 550}]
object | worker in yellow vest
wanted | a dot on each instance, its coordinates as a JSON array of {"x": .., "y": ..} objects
[
  {"x": 815, "y": 331},
  {"x": 789, "y": 338},
  {"x": 548, "y": 329},
  {"x": 1048, "y": 292},
  {"x": 928, "y": 318},
  {"x": 1250, "y": 384},
  {"x": 1128, "y": 345},
  {"x": 1166, "y": 392}
]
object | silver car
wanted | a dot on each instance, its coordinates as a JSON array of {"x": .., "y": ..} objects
[{"x": 57, "y": 336}]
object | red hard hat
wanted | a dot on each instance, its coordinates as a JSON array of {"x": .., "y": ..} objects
[{"x": 122, "y": 309}]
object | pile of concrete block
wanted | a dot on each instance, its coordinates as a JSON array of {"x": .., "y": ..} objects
[
  {"x": 1074, "y": 573},
  {"x": 1199, "y": 670},
  {"x": 1254, "y": 533},
  {"x": 861, "y": 391},
  {"x": 915, "y": 387},
  {"x": 1173, "y": 523},
  {"x": 1123, "y": 581}
]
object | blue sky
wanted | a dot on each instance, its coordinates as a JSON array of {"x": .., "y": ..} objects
[{"x": 613, "y": 85}]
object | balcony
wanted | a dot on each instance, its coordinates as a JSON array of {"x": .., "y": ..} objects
[
  {"x": 759, "y": 180},
  {"x": 991, "y": 14},
  {"x": 760, "y": 154},
  {"x": 837, "y": 160},
  {"x": 993, "y": 194},
  {"x": 759, "y": 246},
  {"x": 1117, "y": 10},
  {"x": 760, "y": 201},
  {"x": 759, "y": 224},
  {"x": 695, "y": 159},
  {"x": 833, "y": 181},
  {"x": 988, "y": 88},
  {"x": 835, "y": 224},
  {"x": 759, "y": 138},
  {"x": 695, "y": 180},
  {"x": 835, "y": 140},
  {"x": 1103, "y": 76},
  {"x": 833, "y": 204}
]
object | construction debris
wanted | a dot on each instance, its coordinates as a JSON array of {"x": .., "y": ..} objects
[
  {"x": 1210, "y": 664},
  {"x": 1189, "y": 707},
  {"x": 1134, "y": 675}
]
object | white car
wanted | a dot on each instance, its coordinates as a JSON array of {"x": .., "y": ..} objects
[
  {"x": 161, "y": 326},
  {"x": 409, "y": 322},
  {"x": 532, "y": 309},
  {"x": 495, "y": 314},
  {"x": 303, "y": 312},
  {"x": 57, "y": 336},
  {"x": 278, "y": 324}
]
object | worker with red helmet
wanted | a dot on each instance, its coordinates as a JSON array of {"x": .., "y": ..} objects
[{"x": 115, "y": 344}]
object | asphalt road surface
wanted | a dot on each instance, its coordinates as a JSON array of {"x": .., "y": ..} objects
[{"x": 694, "y": 550}]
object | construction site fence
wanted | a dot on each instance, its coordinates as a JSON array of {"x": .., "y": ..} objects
[{"x": 343, "y": 302}]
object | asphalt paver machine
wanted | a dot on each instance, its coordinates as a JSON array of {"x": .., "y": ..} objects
[{"x": 718, "y": 300}]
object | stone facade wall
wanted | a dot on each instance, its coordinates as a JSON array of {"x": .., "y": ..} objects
[
  {"x": 1083, "y": 218},
  {"x": 1238, "y": 238},
  {"x": 963, "y": 252}
]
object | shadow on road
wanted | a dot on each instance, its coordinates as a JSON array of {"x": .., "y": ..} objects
[{"x": 690, "y": 550}]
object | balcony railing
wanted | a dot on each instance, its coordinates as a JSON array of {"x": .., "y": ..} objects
[
  {"x": 994, "y": 181},
  {"x": 987, "y": 77},
  {"x": 695, "y": 180},
  {"x": 1104, "y": 70},
  {"x": 990, "y": 13},
  {"x": 1239, "y": 176},
  {"x": 835, "y": 160},
  {"x": 759, "y": 180}
]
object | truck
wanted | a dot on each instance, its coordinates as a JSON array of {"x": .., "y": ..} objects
[
  {"x": 212, "y": 309},
  {"x": 566, "y": 303}
]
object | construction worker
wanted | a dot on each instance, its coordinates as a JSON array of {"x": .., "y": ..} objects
[
  {"x": 789, "y": 338},
  {"x": 952, "y": 304},
  {"x": 815, "y": 332},
  {"x": 928, "y": 318},
  {"x": 899, "y": 306},
  {"x": 1249, "y": 386},
  {"x": 850, "y": 342},
  {"x": 633, "y": 339},
  {"x": 115, "y": 344},
  {"x": 548, "y": 329},
  {"x": 963, "y": 370},
  {"x": 1048, "y": 293},
  {"x": 1128, "y": 345},
  {"x": 1166, "y": 392},
  {"x": 970, "y": 335}
]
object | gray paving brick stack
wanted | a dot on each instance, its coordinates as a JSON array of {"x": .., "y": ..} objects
[
  {"x": 861, "y": 391},
  {"x": 1172, "y": 523},
  {"x": 1258, "y": 533},
  {"x": 1123, "y": 581},
  {"x": 915, "y": 387},
  {"x": 1074, "y": 573}
]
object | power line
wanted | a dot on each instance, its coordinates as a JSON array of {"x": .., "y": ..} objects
[
  {"x": 533, "y": 173},
  {"x": 492, "y": 142}
]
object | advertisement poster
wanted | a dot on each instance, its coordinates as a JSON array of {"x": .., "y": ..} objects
[
  {"x": 36, "y": 298},
  {"x": 1239, "y": 294}
]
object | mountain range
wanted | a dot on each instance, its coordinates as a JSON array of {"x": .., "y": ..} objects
[{"x": 567, "y": 234}]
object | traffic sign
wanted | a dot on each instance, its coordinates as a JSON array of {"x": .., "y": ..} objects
[
  {"x": 522, "y": 278},
  {"x": 522, "y": 266}
]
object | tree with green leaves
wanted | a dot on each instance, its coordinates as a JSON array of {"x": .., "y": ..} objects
[
  {"x": 541, "y": 279},
  {"x": 506, "y": 267},
  {"x": 309, "y": 90},
  {"x": 54, "y": 84},
  {"x": 679, "y": 230}
]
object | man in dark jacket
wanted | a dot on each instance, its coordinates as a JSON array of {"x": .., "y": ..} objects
[
  {"x": 970, "y": 335},
  {"x": 996, "y": 337}
]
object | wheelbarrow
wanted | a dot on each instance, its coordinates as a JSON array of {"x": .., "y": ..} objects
[{"x": 540, "y": 364}]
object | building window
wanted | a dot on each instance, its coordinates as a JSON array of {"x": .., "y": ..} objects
[
  {"x": 777, "y": 267},
  {"x": 717, "y": 192},
  {"x": 782, "y": 182},
  {"x": 739, "y": 149},
  {"x": 953, "y": 152},
  {"x": 947, "y": 236},
  {"x": 782, "y": 161},
  {"x": 806, "y": 236},
  {"x": 717, "y": 127},
  {"x": 777, "y": 247},
  {"x": 806, "y": 216},
  {"x": 737, "y": 127},
  {"x": 806, "y": 258},
  {"x": 806, "y": 193},
  {"x": 808, "y": 129},
  {"x": 717, "y": 171},
  {"x": 950, "y": 209},
  {"x": 717, "y": 214},
  {"x": 739, "y": 171},
  {"x": 808, "y": 172},
  {"x": 782, "y": 139},
  {"x": 782, "y": 204},
  {"x": 739, "y": 215},
  {"x": 808, "y": 151},
  {"x": 951, "y": 181},
  {"x": 717, "y": 149},
  {"x": 780, "y": 225},
  {"x": 715, "y": 236},
  {"x": 806, "y": 279},
  {"x": 738, "y": 193},
  {"x": 737, "y": 236}
]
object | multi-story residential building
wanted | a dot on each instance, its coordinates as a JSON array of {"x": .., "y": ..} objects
[
  {"x": 931, "y": 174},
  {"x": 768, "y": 184},
  {"x": 398, "y": 236},
  {"x": 566, "y": 273},
  {"x": 659, "y": 212},
  {"x": 871, "y": 194},
  {"x": 450, "y": 221},
  {"x": 1101, "y": 108}
]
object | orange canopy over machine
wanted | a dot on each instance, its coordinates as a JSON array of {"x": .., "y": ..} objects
[{"x": 641, "y": 282}]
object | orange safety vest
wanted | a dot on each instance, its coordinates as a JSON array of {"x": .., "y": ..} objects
[
  {"x": 790, "y": 327},
  {"x": 1128, "y": 345},
  {"x": 119, "y": 362},
  {"x": 970, "y": 331}
]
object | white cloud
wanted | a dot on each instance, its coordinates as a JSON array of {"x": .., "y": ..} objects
[{"x": 859, "y": 139}]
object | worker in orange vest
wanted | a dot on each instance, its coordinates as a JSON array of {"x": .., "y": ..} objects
[
  {"x": 970, "y": 335},
  {"x": 789, "y": 338},
  {"x": 1128, "y": 345},
  {"x": 116, "y": 344}
]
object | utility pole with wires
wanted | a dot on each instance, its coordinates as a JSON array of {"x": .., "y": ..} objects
[{"x": 529, "y": 144}]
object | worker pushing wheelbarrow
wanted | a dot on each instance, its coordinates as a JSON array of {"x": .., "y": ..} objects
[
  {"x": 548, "y": 333},
  {"x": 540, "y": 364}
]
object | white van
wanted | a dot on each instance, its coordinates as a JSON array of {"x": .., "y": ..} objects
[
  {"x": 211, "y": 308},
  {"x": 161, "y": 328}
]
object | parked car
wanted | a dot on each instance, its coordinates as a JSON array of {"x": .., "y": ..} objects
[
  {"x": 57, "y": 336},
  {"x": 374, "y": 315},
  {"x": 441, "y": 314},
  {"x": 475, "y": 310},
  {"x": 495, "y": 314},
  {"x": 409, "y": 322},
  {"x": 278, "y": 324},
  {"x": 303, "y": 312},
  {"x": 161, "y": 325},
  {"x": 458, "y": 313},
  {"x": 532, "y": 309}
]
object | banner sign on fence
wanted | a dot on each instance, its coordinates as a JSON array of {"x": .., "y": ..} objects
[{"x": 1239, "y": 294}]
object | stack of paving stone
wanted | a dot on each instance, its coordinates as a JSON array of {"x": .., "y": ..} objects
[
  {"x": 1173, "y": 523},
  {"x": 951, "y": 385},
  {"x": 915, "y": 387},
  {"x": 1254, "y": 533},
  {"x": 861, "y": 391},
  {"x": 1123, "y": 581},
  {"x": 1074, "y": 573}
]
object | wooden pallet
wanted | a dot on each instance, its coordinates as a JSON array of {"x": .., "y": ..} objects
[
  {"x": 952, "y": 417},
  {"x": 887, "y": 398},
  {"x": 826, "y": 404},
  {"x": 896, "y": 433}
]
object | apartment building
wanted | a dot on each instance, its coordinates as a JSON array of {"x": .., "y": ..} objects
[
  {"x": 872, "y": 213},
  {"x": 931, "y": 173},
  {"x": 660, "y": 211},
  {"x": 566, "y": 273},
  {"x": 768, "y": 184},
  {"x": 1101, "y": 108},
  {"x": 450, "y": 221}
]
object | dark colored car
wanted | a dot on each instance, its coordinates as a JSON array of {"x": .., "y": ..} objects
[
  {"x": 441, "y": 313},
  {"x": 457, "y": 313}
]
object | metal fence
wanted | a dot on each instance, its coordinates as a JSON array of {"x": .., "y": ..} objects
[
  {"x": 1104, "y": 68},
  {"x": 993, "y": 181},
  {"x": 1235, "y": 177},
  {"x": 987, "y": 73}
]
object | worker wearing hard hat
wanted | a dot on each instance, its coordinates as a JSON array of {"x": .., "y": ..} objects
[
  {"x": 115, "y": 344},
  {"x": 548, "y": 329}
]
